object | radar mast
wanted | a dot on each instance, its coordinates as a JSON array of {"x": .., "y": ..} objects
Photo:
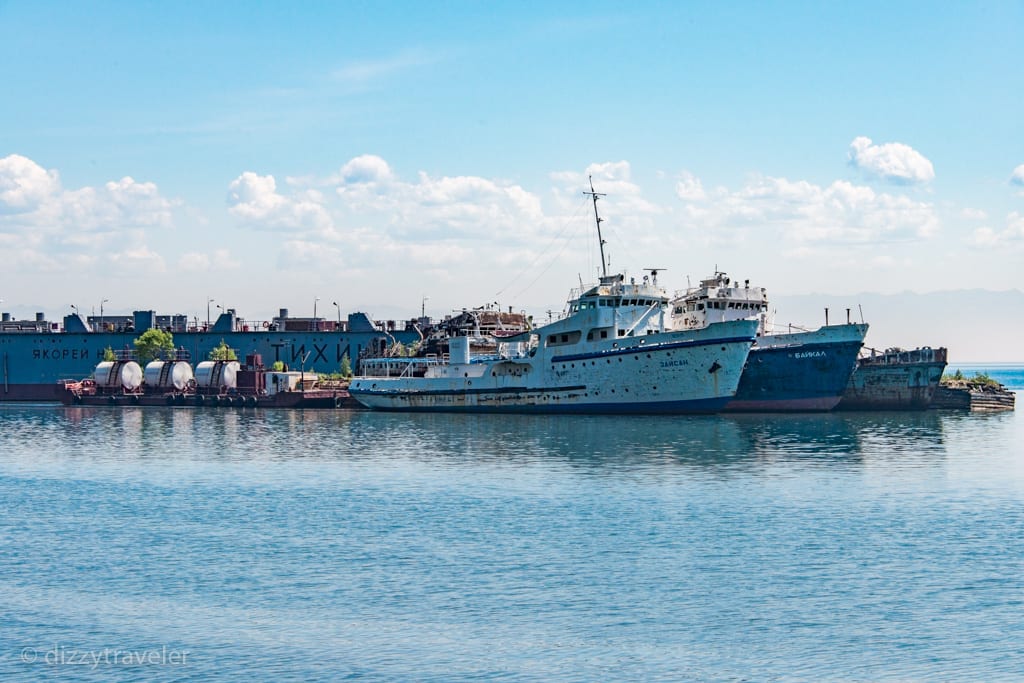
[{"x": 597, "y": 217}]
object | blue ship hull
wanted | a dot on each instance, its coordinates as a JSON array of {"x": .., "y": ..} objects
[{"x": 806, "y": 371}]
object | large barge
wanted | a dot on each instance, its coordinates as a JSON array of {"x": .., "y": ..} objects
[
  {"x": 123, "y": 382},
  {"x": 36, "y": 354}
]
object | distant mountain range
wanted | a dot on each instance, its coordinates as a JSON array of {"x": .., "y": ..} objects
[{"x": 976, "y": 325}]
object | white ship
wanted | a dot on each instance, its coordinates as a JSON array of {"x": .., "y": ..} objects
[{"x": 612, "y": 352}]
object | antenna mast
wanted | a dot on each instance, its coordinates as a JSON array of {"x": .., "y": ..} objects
[{"x": 597, "y": 217}]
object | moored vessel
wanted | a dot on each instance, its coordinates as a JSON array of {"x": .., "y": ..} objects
[
  {"x": 37, "y": 354},
  {"x": 612, "y": 352},
  {"x": 896, "y": 379},
  {"x": 802, "y": 370}
]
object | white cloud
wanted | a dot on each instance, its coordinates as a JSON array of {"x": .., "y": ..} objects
[
  {"x": 689, "y": 187},
  {"x": 803, "y": 213},
  {"x": 25, "y": 185},
  {"x": 138, "y": 259},
  {"x": 973, "y": 214},
  {"x": 1017, "y": 177},
  {"x": 33, "y": 198},
  {"x": 363, "y": 72},
  {"x": 304, "y": 254},
  {"x": 218, "y": 260},
  {"x": 892, "y": 161},
  {"x": 613, "y": 178},
  {"x": 436, "y": 208},
  {"x": 374, "y": 219},
  {"x": 48, "y": 226},
  {"x": 1010, "y": 236},
  {"x": 254, "y": 199},
  {"x": 367, "y": 168}
]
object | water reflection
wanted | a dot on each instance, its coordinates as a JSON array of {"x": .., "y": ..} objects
[
  {"x": 589, "y": 443},
  {"x": 845, "y": 436}
]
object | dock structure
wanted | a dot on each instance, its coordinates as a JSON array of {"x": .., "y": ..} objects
[{"x": 974, "y": 396}]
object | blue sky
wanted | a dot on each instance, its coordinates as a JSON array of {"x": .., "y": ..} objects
[{"x": 155, "y": 154}]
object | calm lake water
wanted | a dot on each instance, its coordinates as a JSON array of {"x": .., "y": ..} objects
[{"x": 167, "y": 544}]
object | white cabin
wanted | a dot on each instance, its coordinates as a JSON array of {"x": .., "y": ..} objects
[{"x": 718, "y": 299}]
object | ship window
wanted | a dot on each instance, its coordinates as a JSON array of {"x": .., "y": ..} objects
[
  {"x": 700, "y": 307},
  {"x": 561, "y": 339},
  {"x": 604, "y": 334}
]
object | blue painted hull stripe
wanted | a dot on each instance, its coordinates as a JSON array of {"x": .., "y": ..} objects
[{"x": 463, "y": 392}]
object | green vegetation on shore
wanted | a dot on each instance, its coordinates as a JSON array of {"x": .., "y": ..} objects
[{"x": 958, "y": 378}]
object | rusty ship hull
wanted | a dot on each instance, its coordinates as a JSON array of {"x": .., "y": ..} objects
[{"x": 895, "y": 380}]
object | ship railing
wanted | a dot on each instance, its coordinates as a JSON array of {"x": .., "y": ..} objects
[
  {"x": 397, "y": 366},
  {"x": 925, "y": 354}
]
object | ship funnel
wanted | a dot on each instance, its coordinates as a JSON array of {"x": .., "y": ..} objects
[
  {"x": 283, "y": 313},
  {"x": 40, "y": 317},
  {"x": 458, "y": 350},
  {"x": 7, "y": 317}
]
